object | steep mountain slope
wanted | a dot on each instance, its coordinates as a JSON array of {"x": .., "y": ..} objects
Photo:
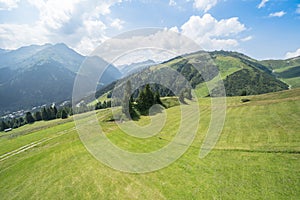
[
  {"x": 249, "y": 77},
  {"x": 40, "y": 84},
  {"x": 60, "y": 53},
  {"x": 13, "y": 59},
  {"x": 241, "y": 74},
  {"x": 36, "y": 75}
]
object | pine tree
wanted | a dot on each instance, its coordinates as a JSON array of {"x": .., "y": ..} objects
[
  {"x": 108, "y": 104},
  {"x": 181, "y": 98},
  {"x": 64, "y": 114},
  {"x": 29, "y": 119},
  {"x": 145, "y": 100},
  {"x": 45, "y": 114},
  {"x": 22, "y": 122},
  {"x": 126, "y": 103},
  {"x": 3, "y": 126},
  {"x": 104, "y": 105},
  {"x": 38, "y": 116},
  {"x": 55, "y": 111},
  {"x": 16, "y": 123},
  {"x": 189, "y": 94},
  {"x": 51, "y": 113},
  {"x": 98, "y": 106},
  {"x": 157, "y": 99}
]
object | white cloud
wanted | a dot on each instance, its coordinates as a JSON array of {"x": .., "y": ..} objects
[
  {"x": 156, "y": 44},
  {"x": 277, "y": 14},
  {"x": 54, "y": 13},
  {"x": 262, "y": 3},
  {"x": 298, "y": 9},
  {"x": 174, "y": 29},
  {"x": 247, "y": 38},
  {"x": 212, "y": 34},
  {"x": 172, "y": 3},
  {"x": 8, "y": 4},
  {"x": 117, "y": 23},
  {"x": 14, "y": 35},
  {"x": 204, "y": 5},
  {"x": 78, "y": 23},
  {"x": 292, "y": 54}
]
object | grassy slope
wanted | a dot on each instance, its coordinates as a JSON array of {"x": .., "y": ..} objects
[
  {"x": 286, "y": 70},
  {"x": 233, "y": 67},
  {"x": 257, "y": 157},
  {"x": 227, "y": 65}
]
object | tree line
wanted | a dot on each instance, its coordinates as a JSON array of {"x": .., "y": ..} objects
[
  {"x": 49, "y": 113},
  {"x": 133, "y": 105}
]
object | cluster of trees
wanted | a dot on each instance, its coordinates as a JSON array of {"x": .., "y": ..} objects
[
  {"x": 249, "y": 82},
  {"x": 169, "y": 85},
  {"x": 102, "y": 105},
  {"x": 45, "y": 114},
  {"x": 146, "y": 99},
  {"x": 50, "y": 113},
  {"x": 133, "y": 107},
  {"x": 133, "y": 104}
]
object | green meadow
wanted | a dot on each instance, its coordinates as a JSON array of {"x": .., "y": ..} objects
[{"x": 256, "y": 157}]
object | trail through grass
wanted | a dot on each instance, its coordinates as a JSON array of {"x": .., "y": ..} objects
[{"x": 256, "y": 157}]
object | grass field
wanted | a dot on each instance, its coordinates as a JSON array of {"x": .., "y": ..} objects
[{"x": 256, "y": 157}]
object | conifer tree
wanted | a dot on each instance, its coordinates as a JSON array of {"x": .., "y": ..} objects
[
  {"x": 3, "y": 126},
  {"x": 145, "y": 100},
  {"x": 64, "y": 114},
  {"x": 126, "y": 103},
  {"x": 45, "y": 114},
  {"x": 38, "y": 116},
  {"x": 29, "y": 119},
  {"x": 181, "y": 97}
]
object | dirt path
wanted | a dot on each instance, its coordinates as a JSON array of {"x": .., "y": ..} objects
[{"x": 31, "y": 145}]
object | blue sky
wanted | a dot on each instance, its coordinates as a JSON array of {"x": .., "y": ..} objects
[{"x": 262, "y": 29}]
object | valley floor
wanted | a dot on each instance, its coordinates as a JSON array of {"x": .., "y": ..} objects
[{"x": 256, "y": 157}]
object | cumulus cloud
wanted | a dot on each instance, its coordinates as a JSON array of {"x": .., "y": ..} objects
[
  {"x": 117, "y": 23},
  {"x": 8, "y": 4},
  {"x": 15, "y": 35},
  {"x": 172, "y": 3},
  {"x": 152, "y": 43},
  {"x": 174, "y": 29},
  {"x": 212, "y": 34},
  {"x": 292, "y": 54},
  {"x": 80, "y": 24},
  {"x": 205, "y": 5},
  {"x": 83, "y": 25},
  {"x": 277, "y": 14},
  {"x": 262, "y": 3},
  {"x": 54, "y": 13}
]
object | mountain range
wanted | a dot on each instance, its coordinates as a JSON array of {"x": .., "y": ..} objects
[
  {"x": 241, "y": 75},
  {"x": 42, "y": 74},
  {"x": 35, "y": 75},
  {"x": 135, "y": 67}
]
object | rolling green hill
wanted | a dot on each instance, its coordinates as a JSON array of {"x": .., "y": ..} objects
[
  {"x": 241, "y": 74},
  {"x": 286, "y": 70},
  {"x": 256, "y": 157}
]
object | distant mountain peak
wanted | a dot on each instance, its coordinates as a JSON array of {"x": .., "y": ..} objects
[
  {"x": 136, "y": 66},
  {"x": 41, "y": 74}
]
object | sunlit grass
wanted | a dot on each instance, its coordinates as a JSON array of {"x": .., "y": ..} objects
[{"x": 257, "y": 157}]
